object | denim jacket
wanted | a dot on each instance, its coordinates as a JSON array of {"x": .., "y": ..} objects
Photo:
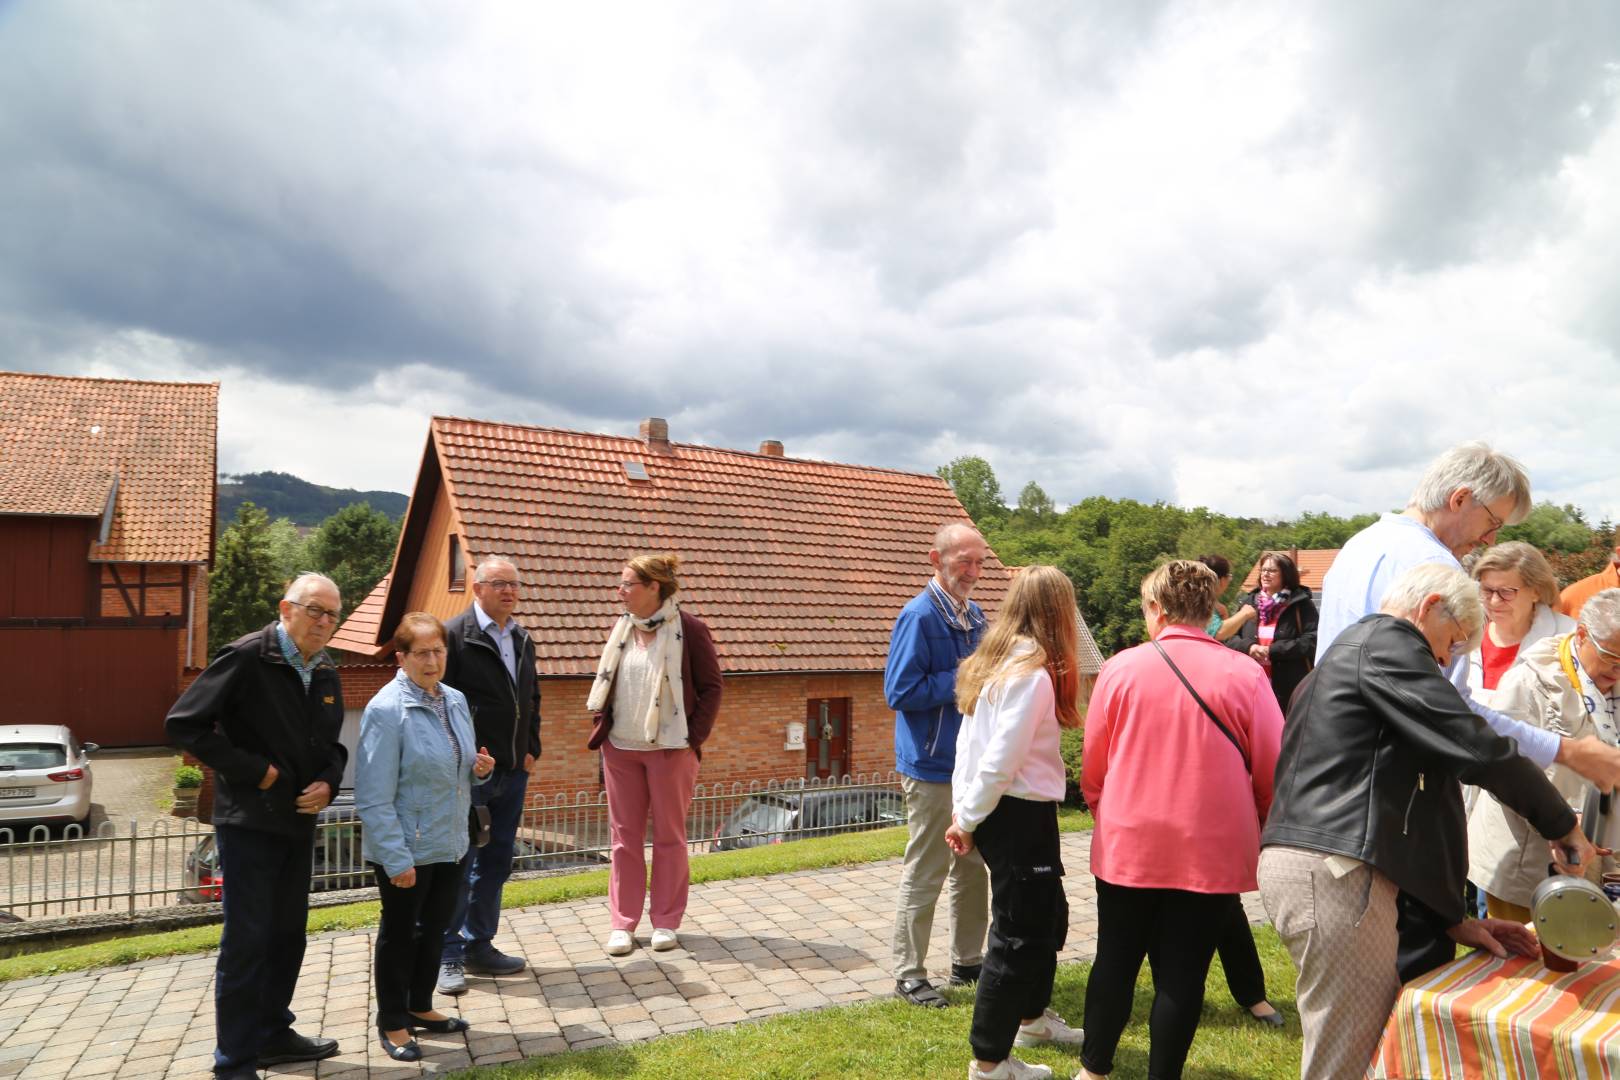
[{"x": 412, "y": 800}]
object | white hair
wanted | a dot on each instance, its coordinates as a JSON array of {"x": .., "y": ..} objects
[
  {"x": 299, "y": 588},
  {"x": 1458, "y": 592},
  {"x": 1601, "y": 614},
  {"x": 1486, "y": 474},
  {"x": 491, "y": 560},
  {"x": 952, "y": 534}
]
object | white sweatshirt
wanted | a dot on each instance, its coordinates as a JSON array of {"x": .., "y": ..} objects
[{"x": 1008, "y": 745}]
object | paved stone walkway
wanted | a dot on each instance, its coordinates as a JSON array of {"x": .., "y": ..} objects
[{"x": 752, "y": 947}]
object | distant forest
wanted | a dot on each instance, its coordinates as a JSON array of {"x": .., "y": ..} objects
[{"x": 281, "y": 495}]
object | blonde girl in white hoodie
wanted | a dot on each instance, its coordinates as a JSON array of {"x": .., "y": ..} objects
[{"x": 1016, "y": 689}]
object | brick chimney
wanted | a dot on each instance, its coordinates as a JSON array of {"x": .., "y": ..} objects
[
  {"x": 771, "y": 448},
  {"x": 655, "y": 433}
]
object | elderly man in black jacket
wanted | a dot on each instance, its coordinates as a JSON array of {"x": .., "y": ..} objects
[
  {"x": 1367, "y": 803},
  {"x": 265, "y": 716},
  {"x": 492, "y": 662}
]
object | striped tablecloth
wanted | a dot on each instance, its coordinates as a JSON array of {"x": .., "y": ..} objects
[{"x": 1484, "y": 1017}]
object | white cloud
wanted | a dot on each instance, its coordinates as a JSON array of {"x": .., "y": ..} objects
[{"x": 1262, "y": 257}]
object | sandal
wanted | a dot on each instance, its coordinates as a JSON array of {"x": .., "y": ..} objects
[{"x": 921, "y": 992}]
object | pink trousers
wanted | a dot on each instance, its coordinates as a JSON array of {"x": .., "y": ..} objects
[{"x": 638, "y": 781}]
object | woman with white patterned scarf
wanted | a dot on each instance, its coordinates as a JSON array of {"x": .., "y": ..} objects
[{"x": 657, "y": 691}]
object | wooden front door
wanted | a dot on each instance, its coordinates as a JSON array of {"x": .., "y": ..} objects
[{"x": 826, "y": 738}]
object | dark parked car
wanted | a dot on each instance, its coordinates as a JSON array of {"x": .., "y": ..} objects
[
  {"x": 337, "y": 863},
  {"x": 774, "y": 816}
]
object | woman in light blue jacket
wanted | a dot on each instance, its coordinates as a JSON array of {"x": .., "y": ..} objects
[{"x": 412, "y": 789}]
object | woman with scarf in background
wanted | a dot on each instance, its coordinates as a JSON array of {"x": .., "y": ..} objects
[
  {"x": 656, "y": 694},
  {"x": 1282, "y": 636}
]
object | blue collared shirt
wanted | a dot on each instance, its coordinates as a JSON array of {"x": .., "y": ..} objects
[
  {"x": 1355, "y": 585},
  {"x": 505, "y": 638},
  {"x": 290, "y": 653}
]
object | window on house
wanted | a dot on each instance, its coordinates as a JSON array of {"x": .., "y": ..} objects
[{"x": 458, "y": 565}]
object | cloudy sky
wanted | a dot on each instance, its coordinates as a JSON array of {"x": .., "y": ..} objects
[{"x": 1265, "y": 257}]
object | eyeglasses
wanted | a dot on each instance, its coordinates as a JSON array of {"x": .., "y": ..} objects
[
  {"x": 427, "y": 654},
  {"x": 625, "y": 586},
  {"x": 1504, "y": 595},
  {"x": 1496, "y": 522},
  {"x": 1458, "y": 647},
  {"x": 315, "y": 611},
  {"x": 1613, "y": 658},
  {"x": 1270, "y": 570},
  {"x": 500, "y": 584}
]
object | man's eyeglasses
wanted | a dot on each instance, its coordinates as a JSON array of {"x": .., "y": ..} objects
[
  {"x": 1613, "y": 658},
  {"x": 1504, "y": 595},
  {"x": 501, "y": 584},
  {"x": 1459, "y": 647},
  {"x": 316, "y": 612},
  {"x": 1496, "y": 522}
]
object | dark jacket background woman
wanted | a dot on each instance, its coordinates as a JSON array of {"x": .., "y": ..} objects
[{"x": 1282, "y": 636}]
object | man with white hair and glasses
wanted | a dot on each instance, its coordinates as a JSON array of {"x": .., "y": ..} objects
[
  {"x": 265, "y": 716},
  {"x": 1464, "y": 497}
]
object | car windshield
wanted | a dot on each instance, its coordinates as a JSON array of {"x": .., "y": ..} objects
[
  {"x": 763, "y": 815},
  {"x": 32, "y": 755}
]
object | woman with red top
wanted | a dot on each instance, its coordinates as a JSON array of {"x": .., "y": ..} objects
[
  {"x": 1178, "y": 794},
  {"x": 1521, "y": 608}
]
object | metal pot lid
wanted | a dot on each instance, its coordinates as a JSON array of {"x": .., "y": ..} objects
[{"x": 1573, "y": 918}]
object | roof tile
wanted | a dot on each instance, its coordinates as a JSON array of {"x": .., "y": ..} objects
[{"x": 60, "y": 436}]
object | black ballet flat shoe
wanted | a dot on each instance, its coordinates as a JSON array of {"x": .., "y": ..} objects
[
  {"x": 450, "y": 1025},
  {"x": 1273, "y": 1019},
  {"x": 409, "y": 1052}
]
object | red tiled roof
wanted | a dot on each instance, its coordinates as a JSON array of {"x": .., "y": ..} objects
[
  {"x": 157, "y": 438},
  {"x": 795, "y": 565},
  {"x": 360, "y": 631},
  {"x": 1312, "y": 563},
  {"x": 54, "y": 490}
]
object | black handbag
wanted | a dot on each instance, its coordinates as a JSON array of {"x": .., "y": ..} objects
[{"x": 478, "y": 825}]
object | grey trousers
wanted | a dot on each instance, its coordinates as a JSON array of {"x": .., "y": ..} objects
[
  {"x": 1340, "y": 932},
  {"x": 928, "y": 865}
]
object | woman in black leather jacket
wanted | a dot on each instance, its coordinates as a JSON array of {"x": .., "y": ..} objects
[{"x": 1368, "y": 802}]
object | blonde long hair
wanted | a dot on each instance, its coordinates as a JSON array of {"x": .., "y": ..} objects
[{"x": 1040, "y": 610}]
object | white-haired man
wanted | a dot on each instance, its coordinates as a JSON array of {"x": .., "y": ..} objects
[
  {"x": 1464, "y": 497},
  {"x": 265, "y": 716},
  {"x": 935, "y": 630}
]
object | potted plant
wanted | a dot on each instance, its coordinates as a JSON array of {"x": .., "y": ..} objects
[{"x": 187, "y": 786}]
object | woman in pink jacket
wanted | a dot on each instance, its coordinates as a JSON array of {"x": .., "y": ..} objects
[{"x": 1179, "y": 792}]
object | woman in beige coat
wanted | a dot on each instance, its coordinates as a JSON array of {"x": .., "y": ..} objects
[{"x": 1564, "y": 683}]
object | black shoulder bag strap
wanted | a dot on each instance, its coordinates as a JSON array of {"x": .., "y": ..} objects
[{"x": 1209, "y": 712}]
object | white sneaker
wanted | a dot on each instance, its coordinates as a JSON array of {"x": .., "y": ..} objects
[
  {"x": 1011, "y": 1069},
  {"x": 620, "y": 943},
  {"x": 663, "y": 940},
  {"x": 1049, "y": 1030}
]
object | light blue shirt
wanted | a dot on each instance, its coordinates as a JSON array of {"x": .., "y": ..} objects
[
  {"x": 1355, "y": 585},
  {"x": 290, "y": 653},
  {"x": 504, "y": 638}
]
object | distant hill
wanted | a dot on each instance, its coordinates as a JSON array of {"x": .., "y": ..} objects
[{"x": 283, "y": 495}]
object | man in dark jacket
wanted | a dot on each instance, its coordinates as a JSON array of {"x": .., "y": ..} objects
[
  {"x": 1367, "y": 803},
  {"x": 492, "y": 662},
  {"x": 265, "y": 716},
  {"x": 935, "y": 630}
]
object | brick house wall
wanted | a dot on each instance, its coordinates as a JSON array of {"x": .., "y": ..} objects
[{"x": 747, "y": 743}]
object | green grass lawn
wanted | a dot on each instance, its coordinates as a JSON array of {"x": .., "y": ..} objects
[
  {"x": 892, "y": 1039},
  {"x": 844, "y": 849}
]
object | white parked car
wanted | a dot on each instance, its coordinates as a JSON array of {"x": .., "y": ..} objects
[{"x": 44, "y": 777}]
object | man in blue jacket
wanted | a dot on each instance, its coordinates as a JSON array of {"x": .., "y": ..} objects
[{"x": 935, "y": 631}]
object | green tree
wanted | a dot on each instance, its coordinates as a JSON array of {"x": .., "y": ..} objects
[
  {"x": 974, "y": 482},
  {"x": 245, "y": 586},
  {"x": 1034, "y": 502},
  {"x": 289, "y": 548},
  {"x": 1554, "y": 528},
  {"x": 355, "y": 548}
]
